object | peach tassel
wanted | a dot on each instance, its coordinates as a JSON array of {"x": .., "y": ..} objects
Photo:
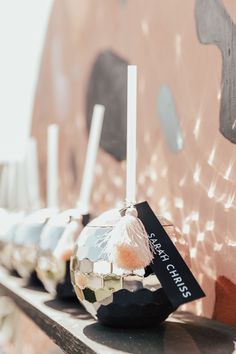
[
  {"x": 65, "y": 246},
  {"x": 128, "y": 245}
]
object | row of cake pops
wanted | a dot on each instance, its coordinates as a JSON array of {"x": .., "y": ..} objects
[
  {"x": 108, "y": 261},
  {"x": 38, "y": 246}
]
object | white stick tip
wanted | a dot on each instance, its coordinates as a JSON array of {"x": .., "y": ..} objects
[
  {"x": 132, "y": 67},
  {"x": 99, "y": 110}
]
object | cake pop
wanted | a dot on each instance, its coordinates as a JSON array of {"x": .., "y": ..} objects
[
  {"x": 27, "y": 233},
  {"x": 9, "y": 223},
  {"x": 111, "y": 266},
  {"x": 58, "y": 237}
]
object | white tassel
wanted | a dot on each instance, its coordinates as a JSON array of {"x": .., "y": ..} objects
[
  {"x": 128, "y": 245},
  {"x": 65, "y": 246}
]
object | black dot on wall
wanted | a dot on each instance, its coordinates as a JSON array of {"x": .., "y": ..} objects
[{"x": 108, "y": 86}]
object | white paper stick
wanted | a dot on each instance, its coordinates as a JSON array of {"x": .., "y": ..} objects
[
  {"x": 32, "y": 174},
  {"x": 131, "y": 134},
  {"x": 12, "y": 179},
  {"x": 52, "y": 166},
  {"x": 93, "y": 144},
  {"x": 4, "y": 186},
  {"x": 22, "y": 191}
]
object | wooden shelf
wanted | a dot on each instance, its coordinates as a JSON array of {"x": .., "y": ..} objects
[{"x": 73, "y": 330}]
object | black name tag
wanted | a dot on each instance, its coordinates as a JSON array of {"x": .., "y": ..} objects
[{"x": 175, "y": 277}]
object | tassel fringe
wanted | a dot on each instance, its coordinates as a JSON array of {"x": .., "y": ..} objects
[{"x": 128, "y": 245}]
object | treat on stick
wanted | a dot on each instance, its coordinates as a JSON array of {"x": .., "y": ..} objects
[
  {"x": 27, "y": 234},
  {"x": 59, "y": 235},
  {"x": 128, "y": 246},
  {"x": 9, "y": 223},
  {"x": 65, "y": 246},
  {"x": 110, "y": 268}
]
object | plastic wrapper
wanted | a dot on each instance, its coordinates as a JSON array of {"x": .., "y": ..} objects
[
  {"x": 56, "y": 247},
  {"x": 26, "y": 242},
  {"x": 112, "y": 295},
  {"x": 8, "y": 225}
]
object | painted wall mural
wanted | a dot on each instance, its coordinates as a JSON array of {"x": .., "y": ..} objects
[
  {"x": 186, "y": 167},
  {"x": 108, "y": 86},
  {"x": 169, "y": 121},
  {"x": 214, "y": 26}
]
